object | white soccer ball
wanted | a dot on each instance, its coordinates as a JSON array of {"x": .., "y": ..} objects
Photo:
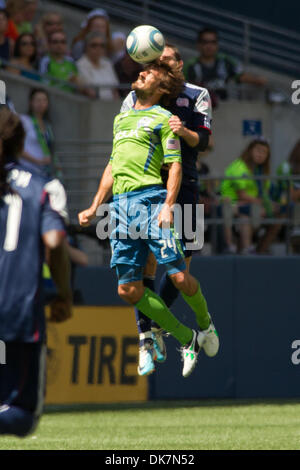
[{"x": 145, "y": 44}]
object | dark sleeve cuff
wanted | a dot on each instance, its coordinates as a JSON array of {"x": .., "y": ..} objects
[{"x": 203, "y": 134}]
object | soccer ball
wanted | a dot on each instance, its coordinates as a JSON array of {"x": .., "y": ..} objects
[{"x": 145, "y": 44}]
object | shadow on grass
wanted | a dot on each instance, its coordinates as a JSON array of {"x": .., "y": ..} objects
[{"x": 159, "y": 404}]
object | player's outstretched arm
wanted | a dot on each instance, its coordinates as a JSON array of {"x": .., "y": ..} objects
[
  {"x": 59, "y": 263},
  {"x": 165, "y": 216},
  {"x": 103, "y": 194}
]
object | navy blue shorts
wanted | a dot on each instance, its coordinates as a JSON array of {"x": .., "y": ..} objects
[
  {"x": 188, "y": 195},
  {"x": 22, "y": 377}
]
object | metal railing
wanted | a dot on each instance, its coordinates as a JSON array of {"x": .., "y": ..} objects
[
  {"x": 83, "y": 162},
  {"x": 251, "y": 40}
]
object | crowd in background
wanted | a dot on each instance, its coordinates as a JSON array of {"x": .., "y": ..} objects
[{"x": 95, "y": 63}]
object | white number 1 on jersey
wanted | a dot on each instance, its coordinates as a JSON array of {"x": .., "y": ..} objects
[{"x": 15, "y": 204}]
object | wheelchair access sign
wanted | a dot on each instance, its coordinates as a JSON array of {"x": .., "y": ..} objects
[{"x": 252, "y": 128}]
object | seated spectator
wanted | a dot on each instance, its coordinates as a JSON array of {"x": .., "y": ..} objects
[
  {"x": 21, "y": 14},
  {"x": 206, "y": 189},
  {"x": 95, "y": 70},
  {"x": 118, "y": 46},
  {"x": 58, "y": 64},
  {"x": 50, "y": 22},
  {"x": 213, "y": 70},
  {"x": 6, "y": 44},
  {"x": 242, "y": 193},
  {"x": 38, "y": 155},
  {"x": 127, "y": 71},
  {"x": 14, "y": 9},
  {"x": 96, "y": 21},
  {"x": 290, "y": 167},
  {"x": 285, "y": 191},
  {"x": 28, "y": 12},
  {"x": 25, "y": 57}
]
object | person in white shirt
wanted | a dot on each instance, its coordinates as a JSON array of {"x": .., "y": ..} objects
[
  {"x": 96, "y": 70},
  {"x": 37, "y": 155}
]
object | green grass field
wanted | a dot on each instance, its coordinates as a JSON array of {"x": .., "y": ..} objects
[{"x": 204, "y": 425}]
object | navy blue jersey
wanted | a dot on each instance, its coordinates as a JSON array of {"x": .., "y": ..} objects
[
  {"x": 34, "y": 207},
  {"x": 193, "y": 107}
]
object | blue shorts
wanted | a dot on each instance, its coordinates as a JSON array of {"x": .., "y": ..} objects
[{"x": 134, "y": 231}]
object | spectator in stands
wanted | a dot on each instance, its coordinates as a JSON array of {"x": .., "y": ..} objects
[
  {"x": 96, "y": 21},
  {"x": 14, "y": 9},
  {"x": 290, "y": 167},
  {"x": 254, "y": 161},
  {"x": 6, "y": 44},
  {"x": 285, "y": 191},
  {"x": 213, "y": 70},
  {"x": 29, "y": 11},
  {"x": 95, "y": 70},
  {"x": 50, "y": 23},
  {"x": 38, "y": 154},
  {"x": 206, "y": 188},
  {"x": 127, "y": 71},
  {"x": 25, "y": 57},
  {"x": 21, "y": 14},
  {"x": 58, "y": 64},
  {"x": 118, "y": 45}
]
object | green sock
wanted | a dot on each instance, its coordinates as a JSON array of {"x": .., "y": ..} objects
[
  {"x": 155, "y": 308},
  {"x": 198, "y": 304}
]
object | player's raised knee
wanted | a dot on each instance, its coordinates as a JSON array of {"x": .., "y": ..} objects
[
  {"x": 179, "y": 280},
  {"x": 130, "y": 293}
]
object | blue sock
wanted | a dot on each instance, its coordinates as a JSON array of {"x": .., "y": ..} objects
[
  {"x": 167, "y": 291},
  {"x": 15, "y": 420},
  {"x": 143, "y": 322}
]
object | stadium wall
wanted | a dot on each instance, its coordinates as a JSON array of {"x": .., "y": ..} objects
[{"x": 255, "y": 305}]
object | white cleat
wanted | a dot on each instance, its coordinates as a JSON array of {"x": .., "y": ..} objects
[
  {"x": 159, "y": 344},
  {"x": 211, "y": 342},
  {"x": 190, "y": 352},
  {"x": 146, "y": 359}
]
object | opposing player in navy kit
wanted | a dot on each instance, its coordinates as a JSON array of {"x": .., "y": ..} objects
[
  {"x": 191, "y": 121},
  {"x": 31, "y": 219}
]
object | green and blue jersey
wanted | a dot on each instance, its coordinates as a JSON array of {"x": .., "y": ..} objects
[{"x": 143, "y": 142}]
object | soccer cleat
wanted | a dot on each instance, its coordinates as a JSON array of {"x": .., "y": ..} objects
[
  {"x": 146, "y": 359},
  {"x": 159, "y": 345},
  {"x": 190, "y": 352},
  {"x": 211, "y": 342}
]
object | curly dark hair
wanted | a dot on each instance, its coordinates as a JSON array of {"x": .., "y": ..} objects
[{"x": 172, "y": 80}]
